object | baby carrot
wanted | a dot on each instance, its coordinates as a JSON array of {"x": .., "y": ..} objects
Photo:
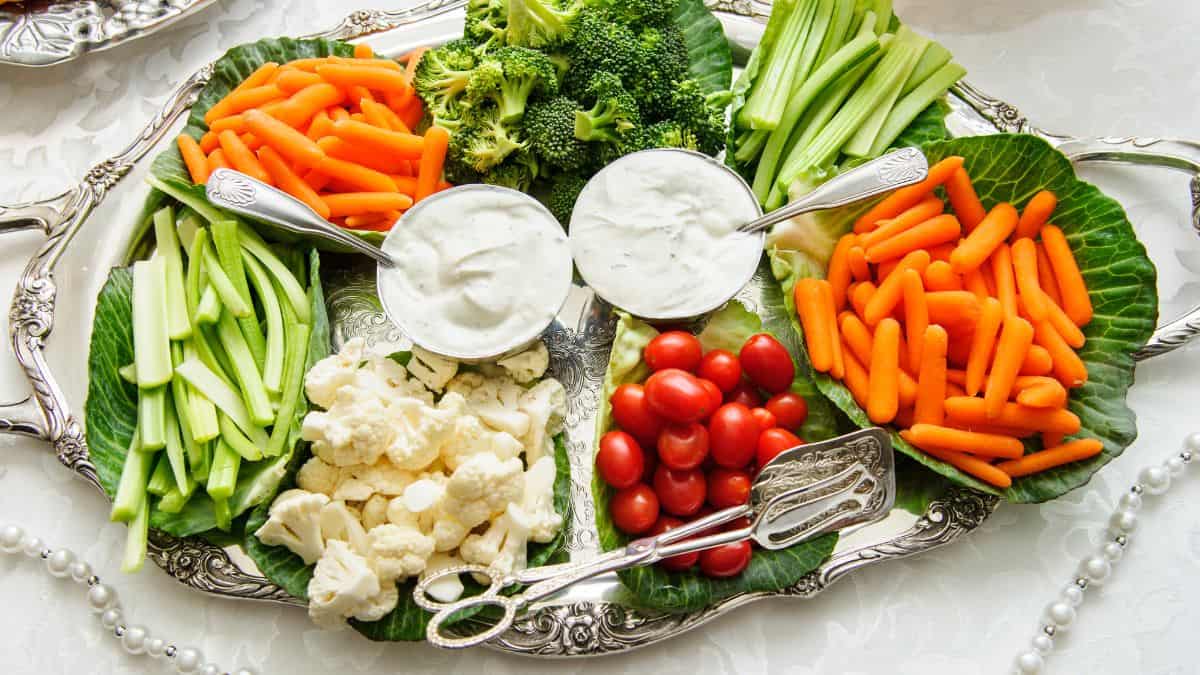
[
  {"x": 856, "y": 336},
  {"x": 953, "y": 389},
  {"x": 953, "y": 308},
  {"x": 302, "y": 105},
  {"x": 193, "y": 157},
  {"x": 972, "y": 442},
  {"x": 857, "y": 380},
  {"x": 1049, "y": 394},
  {"x": 363, "y": 50},
  {"x": 921, "y": 212},
  {"x": 1046, "y": 276},
  {"x": 289, "y": 143},
  {"x": 888, "y": 295},
  {"x": 932, "y": 232},
  {"x": 956, "y": 376},
  {"x": 1049, "y": 440},
  {"x": 357, "y": 94},
  {"x": 234, "y": 123},
  {"x": 972, "y": 465},
  {"x": 378, "y": 79},
  {"x": 1036, "y": 214},
  {"x": 1068, "y": 367},
  {"x": 405, "y": 184},
  {"x": 839, "y": 270},
  {"x": 856, "y": 258},
  {"x": 974, "y": 282},
  {"x": 239, "y": 101},
  {"x": 861, "y": 296},
  {"x": 356, "y": 175},
  {"x": 386, "y": 64},
  {"x": 338, "y": 113},
  {"x": 412, "y": 59},
  {"x": 906, "y": 197},
  {"x": 1037, "y": 361},
  {"x": 413, "y": 113},
  {"x": 1062, "y": 323},
  {"x": 240, "y": 156},
  {"x": 963, "y": 199},
  {"x": 1052, "y": 457},
  {"x": 983, "y": 240},
  {"x": 1075, "y": 300},
  {"x": 260, "y": 77},
  {"x": 292, "y": 81},
  {"x": 931, "y": 378},
  {"x": 884, "y": 269},
  {"x": 916, "y": 315},
  {"x": 404, "y": 146},
  {"x": 940, "y": 277},
  {"x": 250, "y": 140},
  {"x": 379, "y": 161},
  {"x": 429, "y": 171},
  {"x": 1024, "y": 259},
  {"x": 209, "y": 142},
  {"x": 973, "y": 411},
  {"x": 1002, "y": 276},
  {"x": 983, "y": 343},
  {"x": 942, "y": 251},
  {"x": 810, "y": 307},
  {"x": 358, "y": 203},
  {"x": 320, "y": 126},
  {"x": 216, "y": 160},
  {"x": 288, "y": 181},
  {"x": 829, "y": 318},
  {"x": 1015, "y": 337},
  {"x": 883, "y": 401},
  {"x": 381, "y": 116}
]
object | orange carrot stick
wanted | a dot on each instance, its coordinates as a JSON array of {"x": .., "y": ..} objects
[
  {"x": 289, "y": 143},
  {"x": 942, "y": 251},
  {"x": 360, "y": 177},
  {"x": 234, "y": 123},
  {"x": 885, "y": 299},
  {"x": 239, "y": 101},
  {"x": 1002, "y": 275},
  {"x": 1071, "y": 334},
  {"x": 240, "y": 157},
  {"x": 413, "y": 58},
  {"x": 288, "y": 181},
  {"x": 317, "y": 180},
  {"x": 983, "y": 240},
  {"x": 363, "y": 50},
  {"x": 194, "y": 158},
  {"x": 1050, "y": 394},
  {"x": 1036, "y": 214},
  {"x": 320, "y": 127},
  {"x": 932, "y": 232},
  {"x": 1037, "y": 361},
  {"x": 963, "y": 199},
  {"x": 1049, "y": 440},
  {"x": 972, "y": 465},
  {"x": 884, "y": 269},
  {"x": 972, "y": 442},
  {"x": 953, "y": 308},
  {"x": 358, "y": 203},
  {"x": 301, "y": 106},
  {"x": 338, "y": 113},
  {"x": 1052, "y": 457},
  {"x": 857, "y": 380},
  {"x": 292, "y": 81},
  {"x": 829, "y": 319},
  {"x": 921, "y": 212},
  {"x": 429, "y": 171},
  {"x": 983, "y": 344},
  {"x": 973, "y": 411},
  {"x": 1015, "y": 337},
  {"x": 810, "y": 308},
  {"x": 377, "y": 79},
  {"x": 861, "y": 296},
  {"x": 1075, "y": 300},
  {"x": 856, "y": 336},
  {"x": 261, "y": 76},
  {"x": 1024, "y": 259},
  {"x": 856, "y": 257},
  {"x": 357, "y": 94},
  {"x": 883, "y": 400},
  {"x": 839, "y": 270},
  {"x": 906, "y": 197},
  {"x": 413, "y": 114},
  {"x": 916, "y": 315},
  {"x": 209, "y": 142},
  {"x": 250, "y": 140},
  {"x": 405, "y": 184},
  {"x": 216, "y": 160},
  {"x": 940, "y": 277},
  {"x": 404, "y": 146},
  {"x": 381, "y": 116},
  {"x": 931, "y": 378},
  {"x": 379, "y": 161},
  {"x": 974, "y": 282},
  {"x": 1068, "y": 367},
  {"x": 1046, "y": 276}
]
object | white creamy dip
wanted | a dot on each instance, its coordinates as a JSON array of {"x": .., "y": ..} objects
[
  {"x": 654, "y": 233},
  {"x": 479, "y": 271}
]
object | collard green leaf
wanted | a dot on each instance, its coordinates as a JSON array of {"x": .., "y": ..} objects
[
  {"x": 710, "y": 60},
  {"x": 652, "y": 586}
]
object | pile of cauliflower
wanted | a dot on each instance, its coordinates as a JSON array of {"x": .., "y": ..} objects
[{"x": 401, "y": 484}]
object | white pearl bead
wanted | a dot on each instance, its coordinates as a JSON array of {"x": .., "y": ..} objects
[
  {"x": 1174, "y": 465},
  {"x": 80, "y": 571},
  {"x": 210, "y": 669},
  {"x": 1112, "y": 551},
  {"x": 187, "y": 660},
  {"x": 1042, "y": 644},
  {"x": 1061, "y": 614},
  {"x": 134, "y": 639},
  {"x": 1096, "y": 568},
  {"x": 110, "y": 618},
  {"x": 1122, "y": 522},
  {"x": 1155, "y": 479},
  {"x": 155, "y": 647},
  {"x": 10, "y": 538},
  {"x": 101, "y": 597},
  {"x": 1130, "y": 502},
  {"x": 1029, "y": 663},
  {"x": 245, "y": 671},
  {"x": 33, "y": 547},
  {"x": 1191, "y": 442},
  {"x": 59, "y": 563},
  {"x": 1072, "y": 594}
]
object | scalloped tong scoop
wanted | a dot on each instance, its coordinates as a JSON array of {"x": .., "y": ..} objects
[{"x": 803, "y": 492}]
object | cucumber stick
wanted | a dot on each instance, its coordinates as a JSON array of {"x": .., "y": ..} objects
[
  {"x": 131, "y": 488},
  {"x": 907, "y": 109},
  {"x": 179, "y": 326},
  {"x": 151, "y": 340},
  {"x": 862, "y": 140},
  {"x": 245, "y": 371},
  {"x": 273, "y": 363},
  {"x": 135, "y": 538},
  {"x": 293, "y": 383}
]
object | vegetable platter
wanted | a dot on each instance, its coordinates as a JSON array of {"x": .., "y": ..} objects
[{"x": 94, "y": 227}]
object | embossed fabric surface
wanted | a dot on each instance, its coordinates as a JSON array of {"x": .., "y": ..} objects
[{"x": 1086, "y": 67}]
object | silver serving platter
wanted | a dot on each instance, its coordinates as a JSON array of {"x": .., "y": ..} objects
[
  {"x": 88, "y": 231},
  {"x": 45, "y": 32}
]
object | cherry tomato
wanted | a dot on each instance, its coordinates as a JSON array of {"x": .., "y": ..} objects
[
  {"x": 634, "y": 509},
  {"x": 772, "y": 442},
  {"x": 715, "y": 397},
  {"x": 651, "y": 465},
  {"x": 767, "y": 363},
  {"x": 620, "y": 460},
  {"x": 790, "y": 409},
  {"x": 633, "y": 414},
  {"x": 728, "y": 487},
  {"x": 678, "y": 396},
  {"x": 732, "y": 436},
  {"x": 744, "y": 393},
  {"x": 766, "y": 420},
  {"x": 677, "y": 563},
  {"x": 680, "y": 492},
  {"x": 682, "y": 446},
  {"x": 736, "y": 524},
  {"x": 722, "y": 368},
  {"x": 725, "y": 561},
  {"x": 673, "y": 349}
]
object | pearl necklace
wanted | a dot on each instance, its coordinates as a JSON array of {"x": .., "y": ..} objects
[
  {"x": 102, "y": 599},
  {"x": 1096, "y": 568}
]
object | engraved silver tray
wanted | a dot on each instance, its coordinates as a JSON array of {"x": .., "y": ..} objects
[
  {"x": 88, "y": 230},
  {"x": 46, "y": 32}
]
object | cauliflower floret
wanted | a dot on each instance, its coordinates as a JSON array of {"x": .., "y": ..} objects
[
  {"x": 374, "y": 512},
  {"x": 432, "y": 370},
  {"x": 421, "y": 431},
  {"x": 339, "y": 523},
  {"x": 333, "y": 372},
  {"x": 382, "y": 477},
  {"x": 494, "y": 399},
  {"x": 397, "y": 551},
  {"x": 355, "y": 430},
  {"x": 529, "y": 365},
  {"x": 472, "y": 437},
  {"x": 317, "y": 475},
  {"x": 295, "y": 522},
  {"x": 448, "y": 588},
  {"x": 422, "y": 507},
  {"x": 343, "y": 584},
  {"x": 390, "y": 380},
  {"x": 379, "y": 605},
  {"x": 482, "y": 487},
  {"x": 502, "y": 547},
  {"x": 546, "y": 405},
  {"x": 538, "y": 502}
]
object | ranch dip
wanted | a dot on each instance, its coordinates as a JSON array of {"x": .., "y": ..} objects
[
  {"x": 654, "y": 234},
  {"x": 479, "y": 270}
]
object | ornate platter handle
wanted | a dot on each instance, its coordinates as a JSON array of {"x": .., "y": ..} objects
[{"x": 367, "y": 21}]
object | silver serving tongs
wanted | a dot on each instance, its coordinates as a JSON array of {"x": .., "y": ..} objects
[{"x": 805, "y": 491}]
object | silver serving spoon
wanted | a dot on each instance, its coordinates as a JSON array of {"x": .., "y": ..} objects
[{"x": 801, "y": 493}]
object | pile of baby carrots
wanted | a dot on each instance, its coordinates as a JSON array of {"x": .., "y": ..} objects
[
  {"x": 334, "y": 132},
  {"x": 960, "y": 329}
]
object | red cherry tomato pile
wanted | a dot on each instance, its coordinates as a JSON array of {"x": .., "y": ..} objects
[{"x": 693, "y": 434}]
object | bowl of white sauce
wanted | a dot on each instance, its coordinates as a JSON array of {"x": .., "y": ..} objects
[
  {"x": 655, "y": 233},
  {"x": 479, "y": 271}
]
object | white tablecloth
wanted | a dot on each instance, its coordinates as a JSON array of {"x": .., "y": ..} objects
[{"x": 1095, "y": 67}]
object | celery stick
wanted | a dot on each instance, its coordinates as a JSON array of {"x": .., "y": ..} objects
[
  {"x": 293, "y": 383},
  {"x": 200, "y": 468},
  {"x": 135, "y": 538},
  {"x": 229, "y": 253},
  {"x": 907, "y": 109},
  {"x": 161, "y": 479},
  {"x": 222, "y": 395},
  {"x": 245, "y": 371},
  {"x": 225, "y": 289},
  {"x": 764, "y": 106},
  {"x": 751, "y": 145},
  {"x": 187, "y": 224},
  {"x": 178, "y": 324},
  {"x": 222, "y": 478},
  {"x": 223, "y": 515},
  {"x": 198, "y": 204},
  {"x": 931, "y": 61},
  {"x": 131, "y": 488},
  {"x": 208, "y": 311},
  {"x": 265, "y": 289},
  {"x": 181, "y": 396},
  {"x": 838, "y": 34},
  {"x": 151, "y": 342},
  {"x": 231, "y": 435},
  {"x": 194, "y": 281},
  {"x": 201, "y": 413},
  {"x": 213, "y": 354},
  {"x": 173, "y": 501},
  {"x": 860, "y": 143},
  {"x": 128, "y": 373},
  {"x": 292, "y": 288},
  {"x": 175, "y": 452},
  {"x": 152, "y": 418}
]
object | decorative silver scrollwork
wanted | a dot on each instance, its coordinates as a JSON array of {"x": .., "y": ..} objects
[{"x": 207, "y": 567}]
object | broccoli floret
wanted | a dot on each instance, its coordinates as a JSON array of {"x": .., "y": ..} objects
[
  {"x": 614, "y": 114},
  {"x": 483, "y": 142},
  {"x": 639, "y": 12},
  {"x": 441, "y": 79},
  {"x": 509, "y": 76},
  {"x": 487, "y": 22},
  {"x": 600, "y": 46},
  {"x": 689, "y": 107},
  {"x": 564, "y": 191},
  {"x": 551, "y": 128},
  {"x": 517, "y": 172},
  {"x": 541, "y": 23},
  {"x": 664, "y": 62}
]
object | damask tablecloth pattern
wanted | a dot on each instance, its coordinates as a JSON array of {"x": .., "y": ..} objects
[{"x": 1094, "y": 67}]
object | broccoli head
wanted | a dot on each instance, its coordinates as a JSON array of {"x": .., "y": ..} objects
[
  {"x": 563, "y": 193},
  {"x": 551, "y": 128},
  {"x": 483, "y": 141},
  {"x": 509, "y": 76},
  {"x": 599, "y": 45},
  {"x": 518, "y": 172},
  {"x": 689, "y": 107},
  {"x": 541, "y": 23},
  {"x": 614, "y": 114},
  {"x": 639, "y": 12},
  {"x": 487, "y": 22},
  {"x": 441, "y": 78},
  {"x": 664, "y": 62}
]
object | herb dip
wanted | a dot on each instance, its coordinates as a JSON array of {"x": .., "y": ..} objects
[
  {"x": 654, "y": 233},
  {"x": 479, "y": 270}
]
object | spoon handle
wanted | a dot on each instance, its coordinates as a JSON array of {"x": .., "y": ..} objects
[
  {"x": 894, "y": 170},
  {"x": 237, "y": 192}
]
